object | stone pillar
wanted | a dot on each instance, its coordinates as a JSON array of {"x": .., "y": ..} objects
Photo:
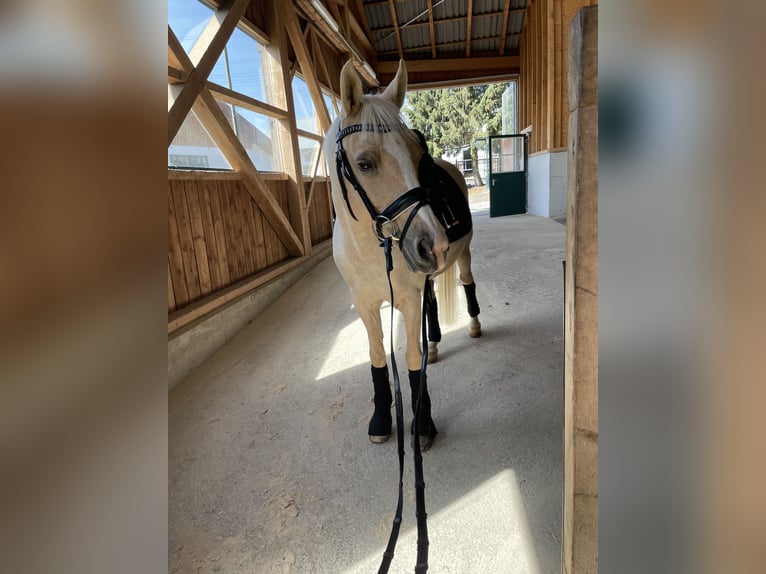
[{"x": 580, "y": 536}]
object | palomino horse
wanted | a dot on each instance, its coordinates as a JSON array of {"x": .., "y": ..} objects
[{"x": 385, "y": 185}]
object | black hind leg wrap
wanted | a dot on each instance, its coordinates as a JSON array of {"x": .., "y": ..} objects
[
  {"x": 432, "y": 315},
  {"x": 380, "y": 423},
  {"x": 470, "y": 297},
  {"x": 427, "y": 426}
]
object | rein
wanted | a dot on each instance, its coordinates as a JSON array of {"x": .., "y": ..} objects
[{"x": 411, "y": 200}]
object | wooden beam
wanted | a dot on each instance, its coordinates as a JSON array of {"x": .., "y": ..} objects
[
  {"x": 365, "y": 25},
  {"x": 342, "y": 43},
  {"x": 216, "y": 124},
  {"x": 280, "y": 81},
  {"x": 309, "y": 73},
  {"x": 177, "y": 55},
  {"x": 176, "y": 76},
  {"x": 431, "y": 28},
  {"x": 309, "y": 135},
  {"x": 224, "y": 94},
  {"x": 361, "y": 34},
  {"x": 203, "y": 57},
  {"x": 217, "y": 300},
  {"x": 182, "y": 174},
  {"x": 487, "y": 63},
  {"x": 503, "y": 34},
  {"x": 468, "y": 30},
  {"x": 395, "y": 21}
]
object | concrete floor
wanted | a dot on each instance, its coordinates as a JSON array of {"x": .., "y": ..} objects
[{"x": 270, "y": 467}]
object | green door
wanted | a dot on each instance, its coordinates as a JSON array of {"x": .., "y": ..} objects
[{"x": 507, "y": 175}]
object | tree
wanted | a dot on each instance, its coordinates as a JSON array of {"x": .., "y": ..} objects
[{"x": 453, "y": 117}]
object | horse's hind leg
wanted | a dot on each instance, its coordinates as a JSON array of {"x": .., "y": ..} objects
[
  {"x": 379, "y": 429},
  {"x": 432, "y": 315},
  {"x": 466, "y": 278}
]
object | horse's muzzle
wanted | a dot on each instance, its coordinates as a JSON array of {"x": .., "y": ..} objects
[{"x": 421, "y": 254}]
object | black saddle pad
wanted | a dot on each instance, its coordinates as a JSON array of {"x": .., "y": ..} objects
[{"x": 446, "y": 198}]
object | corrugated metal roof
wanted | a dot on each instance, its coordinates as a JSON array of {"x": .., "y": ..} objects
[
  {"x": 486, "y": 26},
  {"x": 450, "y": 9},
  {"x": 378, "y": 15},
  {"x": 406, "y": 11}
]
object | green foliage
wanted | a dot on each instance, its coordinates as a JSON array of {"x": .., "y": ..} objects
[{"x": 453, "y": 117}]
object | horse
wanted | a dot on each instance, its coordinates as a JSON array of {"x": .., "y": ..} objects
[{"x": 399, "y": 195}]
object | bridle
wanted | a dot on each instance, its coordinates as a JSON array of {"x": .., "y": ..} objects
[{"x": 384, "y": 222}]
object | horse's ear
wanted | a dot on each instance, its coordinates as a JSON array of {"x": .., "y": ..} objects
[
  {"x": 350, "y": 88},
  {"x": 397, "y": 89}
]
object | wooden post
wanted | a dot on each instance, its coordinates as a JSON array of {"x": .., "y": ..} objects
[
  {"x": 277, "y": 76},
  {"x": 580, "y": 536}
]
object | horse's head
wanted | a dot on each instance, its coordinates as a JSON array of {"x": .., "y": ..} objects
[{"x": 381, "y": 157}]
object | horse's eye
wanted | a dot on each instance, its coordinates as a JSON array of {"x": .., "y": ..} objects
[{"x": 365, "y": 164}]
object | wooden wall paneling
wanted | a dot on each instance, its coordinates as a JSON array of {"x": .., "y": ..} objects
[
  {"x": 220, "y": 233},
  {"x": 284, "y": 198},
  {"x": 211, "y": 243},
  {"x": 203, "y": 56},
  {"x": 259, "y": 245},
  {"x": 186, "y": 241},
  {"x": 198, "y": 237},
  {"x": 228, "y": 204},
  {"x": 540, "y": 84},
  {"x": 175, "y": 256},
  {"x": 559, "y": 78},
  {"x": 313, "y": 221},
  {"x": 171, "y": 294},
  {"x": 534, "y": 77},
  {"x": 243, "y": 200},
  {"x": 549, "y": 75},
  {"x": 270, "y": 241}
]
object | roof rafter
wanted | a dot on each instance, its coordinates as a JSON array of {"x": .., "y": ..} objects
[
  {"x": 395, "y": 20},
  {"x": 468, "y": 29},
  {"x": 431, "y": 27}
]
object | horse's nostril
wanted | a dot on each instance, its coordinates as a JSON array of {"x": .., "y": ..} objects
[{"x": 424, "y": 248}]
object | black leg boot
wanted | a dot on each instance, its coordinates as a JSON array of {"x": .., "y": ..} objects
[
  {"x": 470, "y": 298},
  {"x": 427, "y": 427},
  {"x": 380, "y": 423}
]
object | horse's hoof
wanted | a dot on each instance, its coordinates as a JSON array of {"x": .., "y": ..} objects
[
  {"x": 474, "y": 328},
  {"x": 379, "y": 439},
  {"x": 433, "y": 353},
  {"x": 426, "y": 442}
]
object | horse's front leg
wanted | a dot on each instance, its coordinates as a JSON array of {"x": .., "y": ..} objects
[
  {"x": 410, "y": 309},
  {"x": 379, "y": 429}
]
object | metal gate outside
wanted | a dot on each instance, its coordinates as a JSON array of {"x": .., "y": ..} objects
[{"x": 507, "y": 175}]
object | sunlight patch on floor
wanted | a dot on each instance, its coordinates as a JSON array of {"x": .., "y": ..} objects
[
  {"x": 486, "y": 530},
  {"x": 350, "y": 348}
]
